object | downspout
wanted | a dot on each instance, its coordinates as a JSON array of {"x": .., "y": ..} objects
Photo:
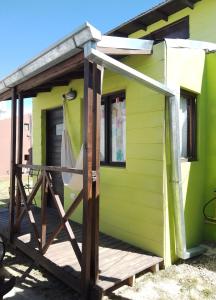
[{"x": 176, "y": 180}]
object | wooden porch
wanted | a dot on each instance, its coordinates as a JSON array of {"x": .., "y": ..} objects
[
  {"x": 119, "y": 262},
  {"x": 89, "y": 262}
]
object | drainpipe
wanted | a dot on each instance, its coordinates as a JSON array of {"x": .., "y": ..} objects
[{"x": 180, "y": 231}]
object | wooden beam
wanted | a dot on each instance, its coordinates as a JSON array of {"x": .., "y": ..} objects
[
  {"x": 66, "y": 217},
  {"x": 52, "y": 73},
  {"x": 6, "y": 95},
  {"x": 29, "y": 212},
  {"x": 44, "y": 190},
  {"x": 30, "y": 198},
  {"x": 188, "y": 3},
  {"x": 19, "y": 152},
  {"x": 120, "y": 33},
  {"x": 96, "y": 170},
  {"x": 119, "y": 67},
  {"x": 12, "y": 163},
  {"x": 162, "y": 15},
  {"x": 140, "y": 25},
  {"x": 52, "y": 168},
  {"x": 87, "y": 181}
]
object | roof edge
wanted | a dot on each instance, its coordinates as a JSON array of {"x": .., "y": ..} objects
[{"x": 58, "y": 52}]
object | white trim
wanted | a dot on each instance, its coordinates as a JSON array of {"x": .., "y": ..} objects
[
  {"x": 117, "y": 66},
  {"x": 125, "y": 43},
  {"x": 191, "y": 44}
]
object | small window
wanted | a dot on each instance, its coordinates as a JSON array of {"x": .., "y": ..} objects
[
  {"x": 188, "y": 124},
  {"x": 113, "y": 129}
]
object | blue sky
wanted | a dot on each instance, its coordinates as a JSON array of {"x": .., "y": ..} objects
[{"x": 28, "y": 27}]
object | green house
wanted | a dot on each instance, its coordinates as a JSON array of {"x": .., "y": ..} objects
[{"x": 158, "y": 112}]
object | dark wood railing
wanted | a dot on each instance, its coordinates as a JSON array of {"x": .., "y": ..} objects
[{"x": 44, "y": 182}]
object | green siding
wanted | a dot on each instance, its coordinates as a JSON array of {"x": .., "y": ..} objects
[
  {"x": 132, "y": 197},
  {"x": 210, "y": 183},
  {"x": 202, "y": 21}
]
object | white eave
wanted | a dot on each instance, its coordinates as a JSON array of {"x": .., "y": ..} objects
[
  {"x": 63, "y": 49},
  {"x": 190, "y": 44}
]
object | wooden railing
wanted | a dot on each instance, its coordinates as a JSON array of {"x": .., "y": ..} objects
[{"x": 44, "y": 181}]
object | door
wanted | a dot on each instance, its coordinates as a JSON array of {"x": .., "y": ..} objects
[{"x": 54, "y": 126}]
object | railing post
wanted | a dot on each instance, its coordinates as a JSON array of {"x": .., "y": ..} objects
[
  {"x": 91, "y": 176},
  {"x": 96, "y": 169},
  {"x": 87, "y": 180},
  {"x": 12, "y": 163},
  {"x": 19, "y": 156},
  {"x": 44, "y": 191}
]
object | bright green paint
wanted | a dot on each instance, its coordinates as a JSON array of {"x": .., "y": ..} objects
[
  {"x": 210, "y": 182},
  {"x": 131, "y": 197},
  {"x": 180, "y": 67},
  {"x": 202, "y": 21}
]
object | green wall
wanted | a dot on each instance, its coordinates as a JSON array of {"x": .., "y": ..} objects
[
  {"x": 202, "y": 21},
  {"x": 185, "y": 68},
  {"x": 132, "y": 206},
  {"x": 210, "y": 182}
]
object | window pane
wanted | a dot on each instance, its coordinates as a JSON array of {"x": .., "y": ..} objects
[
  {"x": 183, "y": 120},
  {"x": 102, "y": 139},
  {"x": 118, "y": 130}
]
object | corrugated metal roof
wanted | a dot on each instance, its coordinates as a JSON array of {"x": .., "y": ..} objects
[{"x": 159, "y": 12}]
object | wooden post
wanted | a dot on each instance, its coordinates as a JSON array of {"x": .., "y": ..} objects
[
  {"x": 19, "y": 155},
  {"x": 43, "y": 210},
  {"x": 12, "y": 163},
  {"x": 87, "y": 181},
  {"x": 96, "y": 169}
]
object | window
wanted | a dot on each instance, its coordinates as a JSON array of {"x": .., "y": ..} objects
[
  {"x": 188, "y": 120},
  {"x": 176, "y": 30},
  {"x": 113, "y": 129}
]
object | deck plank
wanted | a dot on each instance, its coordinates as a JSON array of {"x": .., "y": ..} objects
[{"x": 118, "y": 261}]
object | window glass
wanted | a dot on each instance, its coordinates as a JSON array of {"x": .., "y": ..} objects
[
  {"x": 188, "y": 125},
  {"x": 113, "y": 129},
  {"x": 118, "y": 130},
  {"x": 183, "y": 120}
]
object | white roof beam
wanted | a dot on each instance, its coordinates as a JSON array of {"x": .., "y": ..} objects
[{"x": 117, "y": 66}]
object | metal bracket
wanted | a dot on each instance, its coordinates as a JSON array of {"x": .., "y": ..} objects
[{"x": 94, "y": 176}]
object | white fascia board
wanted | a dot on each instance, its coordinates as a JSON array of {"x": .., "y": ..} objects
[
  {"x": 190, "y": 44},
  {"x": 125, "y": 43},
  {"x": 58, "y": 52},
  {"x": 116, "y": 66}
]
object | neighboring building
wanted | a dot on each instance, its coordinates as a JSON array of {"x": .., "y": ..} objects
[{"x": 5, "y": 138}]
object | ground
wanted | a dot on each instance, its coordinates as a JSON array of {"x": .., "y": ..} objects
[{"x": 190, "y": 280}]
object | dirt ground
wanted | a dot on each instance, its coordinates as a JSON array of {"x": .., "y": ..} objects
[{"x": 194, "y": 279}]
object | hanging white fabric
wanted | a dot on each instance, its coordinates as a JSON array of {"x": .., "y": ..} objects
[{"x": 73, "y": 181}]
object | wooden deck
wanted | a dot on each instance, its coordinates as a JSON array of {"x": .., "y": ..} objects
[{"x": 118, "y": 261}]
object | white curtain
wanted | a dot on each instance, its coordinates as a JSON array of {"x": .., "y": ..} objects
[
  {"x": 73, "y": 181},
  {"x": 183, "y": 119}
]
